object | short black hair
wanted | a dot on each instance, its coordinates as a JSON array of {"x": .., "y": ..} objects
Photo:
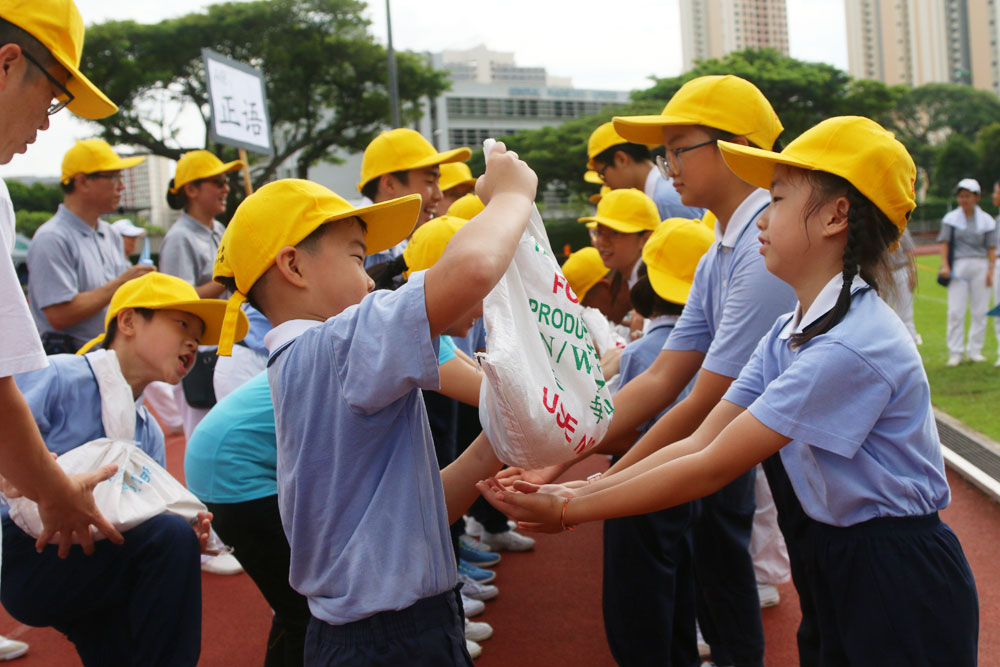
[
  {"x": 68, "y": 188},
  {"x": 638, "y": 153},
  {"x": 370, "y": 189},
  {"x": 12, "y": 34},
  {"x": 109, "y": 336}
]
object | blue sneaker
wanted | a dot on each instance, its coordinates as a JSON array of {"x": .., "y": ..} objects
[
  {"x": 476, "y": 557},
  {"x": 477, "y": 574}
]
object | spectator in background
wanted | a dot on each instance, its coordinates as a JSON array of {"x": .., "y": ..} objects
[
  {"x": 130, "y": 235},
  {"x": 968, "y": 255},
  {"x": 904, "y": 275},
  {"x": 76, "y": 260},
  {"x": 456, "y": 182}
]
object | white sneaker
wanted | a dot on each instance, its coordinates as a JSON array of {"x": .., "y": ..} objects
[
  {"x": 977, "y": 358},
  {"x": 11, "y": 648},
  {"x": 474, "y": 543},
  {"x": 477, "y": 632},
  {"x": 768, "y": 594},
  {"x": 473, "y": 527},
  {"x": 954, "y": 360},
  {"x": 472, "y": 607},
  {"x": 509, "y": 540},
  {"x": 477, "y": 591},
  {"x": 221, "y": 564},
  {"x": 474, "y": 649}
]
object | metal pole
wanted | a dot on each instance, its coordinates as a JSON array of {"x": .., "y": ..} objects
[{"x": 393, "y": 82}]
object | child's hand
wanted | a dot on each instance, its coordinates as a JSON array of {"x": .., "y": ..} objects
[
  {"x": 506, "y": 174},
  {"x": 508, "y": 476},
  {"x": 567, "y": 490},
  {"x": 534, "y": 512},
  {"x": 202, "y": 528}
]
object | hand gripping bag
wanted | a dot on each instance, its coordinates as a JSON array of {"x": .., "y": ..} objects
[
  {"x": 141, "y": 489},
  {"x": 544, "y": 399}
]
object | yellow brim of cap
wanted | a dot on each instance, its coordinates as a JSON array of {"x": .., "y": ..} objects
[
  {"x": 125, "y": 163},
  {"x": 648, "y": 129},
  {"x": 616, "y": 225},
  {"x": 595, "y": 198},
  {"x": 756, "y": 165},
  {"x": 88, "y": 101},
  {"x": 668, "y": 287},
  {"x": 388, "y": 222},
  {"x": 591, "y": 176},
  {"x": 224, "y": 169}
]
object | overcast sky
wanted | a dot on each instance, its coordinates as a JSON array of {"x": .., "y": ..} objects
[{"x": 599, "y": 44}]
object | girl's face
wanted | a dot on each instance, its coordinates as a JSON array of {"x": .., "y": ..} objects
[
  {"x": 210, "y": 194},
  {"x": 788, "y": 240},
  {"x": 164, "y": 347},
  {"x": 967, "y": 201},
  {"x": 618, "y": 250}
]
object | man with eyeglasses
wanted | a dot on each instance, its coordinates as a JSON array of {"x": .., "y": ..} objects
[
  {"x": 621, "y": 163},
  {"x": 76, "y": 260},
  {"x": 40, "y": 45}
]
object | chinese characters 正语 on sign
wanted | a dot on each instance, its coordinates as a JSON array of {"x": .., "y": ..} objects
[{"x": 239, "y": 104}]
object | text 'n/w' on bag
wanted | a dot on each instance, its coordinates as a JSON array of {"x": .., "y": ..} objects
[{"x": 544, "y": 400}]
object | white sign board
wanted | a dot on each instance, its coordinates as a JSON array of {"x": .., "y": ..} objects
[{"x": 239, "y": 105}]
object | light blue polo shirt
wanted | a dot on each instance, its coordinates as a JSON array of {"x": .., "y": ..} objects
[
  {"x": 734, "y": 299},
  {"x": 359, "y": 490},
  {"x": 232, "y": 455},
  {"x": 189, "y": 249},
  {"x": 640, "y": 355},
  {"x": 67, "y": 256},
  {"x": 856, "y": 403},
  {"x": 65, "y": 403}
]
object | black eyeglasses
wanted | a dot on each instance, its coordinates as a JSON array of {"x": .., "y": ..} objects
[
  {"x": 64, "y": 98},
  {"x": 115, "y": 176},
  {"x": 600, "y": 170},
  {"x": 671, "y": 165}
]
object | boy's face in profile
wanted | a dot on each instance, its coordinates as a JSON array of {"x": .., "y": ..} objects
[
  {"x": 334, "y": 268},
  {"x": 165, "y": 345},
  {"x": 701, "y": 169}
]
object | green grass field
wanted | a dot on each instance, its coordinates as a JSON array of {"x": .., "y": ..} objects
[{"x": 969, "y": 392}]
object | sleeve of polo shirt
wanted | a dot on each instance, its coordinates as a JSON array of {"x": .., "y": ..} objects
[
  {"x": 177, "y": 258},
  {"x": 384, "y": 349},
  {"x": 991, "y": 237},
  {"x": 756, "y": 298},
  {"x": 53, "y": 269},
  {"x": 830, "y": 397},
  {"x": 750, "y": 384},
  {"x": 692, "y": 331},
  {"x": 42, "y": 391}
]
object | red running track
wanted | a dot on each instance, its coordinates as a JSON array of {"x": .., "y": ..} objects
[{"x": 548, "y": 611}]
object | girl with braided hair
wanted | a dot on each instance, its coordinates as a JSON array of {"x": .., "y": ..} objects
[{"x": 836, "y": 404}]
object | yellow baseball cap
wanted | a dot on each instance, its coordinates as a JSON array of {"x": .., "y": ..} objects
[
  {"x": 160, "y": 291},
  {"x": 57, "y": 24},
  {"x": 591, "y": 176},
  {"x": 857, "y": 149},
  {"x": 671, "y": 255},
  {"x": 454, "y": 174},
  {"x": 427, "y": 244},
  {"x": 92, "y": 155},
  {"x": 603, "y": 138},
  {"x": 597, "y": 196},
  {"x": 625, "y": 210},
  {"x": 194, "y": 165},
  {"x": 709, "y": 219},
  {"x": 283, "y": 213},
  {"x": 466, "y": 207},
  {"x": 403, "y": 149},
  {"x": 584, "y": 269},
  {"x": 726, "y": 103}
]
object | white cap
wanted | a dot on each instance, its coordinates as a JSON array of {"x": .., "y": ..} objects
[
  {"x": 970, "y": 184},
  {"x": 126, "y": 228}
]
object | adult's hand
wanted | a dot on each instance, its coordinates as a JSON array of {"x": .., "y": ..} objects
[{"x": 68, "y": 510}]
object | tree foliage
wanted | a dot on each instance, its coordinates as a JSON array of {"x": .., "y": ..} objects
[
  {"x": 35, "y": 197},
  {"x": 325, "y": 77},
  {"x": 802, "y": 93}
]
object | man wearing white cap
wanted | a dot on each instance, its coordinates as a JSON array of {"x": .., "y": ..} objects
[
  {"x": 76, "y": 260},
  {"x": 130, "y": 234},
  {"x": 40, "y": 46}
]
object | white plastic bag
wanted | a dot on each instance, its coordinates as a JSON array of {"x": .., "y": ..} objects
[
  {"x": 142, "y": 488},
  {"x": 544, "y": 400}
]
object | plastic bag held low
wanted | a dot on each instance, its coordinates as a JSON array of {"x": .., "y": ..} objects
[{"x": 544, "y": 400}]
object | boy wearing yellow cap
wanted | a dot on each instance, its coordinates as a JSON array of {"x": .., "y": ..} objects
[
  {"x": 620, "y": 163},
  {"x": 140, "y": 601},
  {"x": 366, "y": 517},
  {"x": 397, "y": 163},
  {"x": 76, "y": 260},
  {"x": 654, "y": 551}
]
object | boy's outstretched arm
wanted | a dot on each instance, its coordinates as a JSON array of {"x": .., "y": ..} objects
[
  {"x": 480, "y": 252},
  {"x": 460, "y": 476}
]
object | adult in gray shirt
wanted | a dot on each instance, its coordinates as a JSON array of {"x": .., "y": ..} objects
[
  {"x": 76, "y": 261},
  {"x": 969, "y": 240},
  {"x": 199, "y": 189}
]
